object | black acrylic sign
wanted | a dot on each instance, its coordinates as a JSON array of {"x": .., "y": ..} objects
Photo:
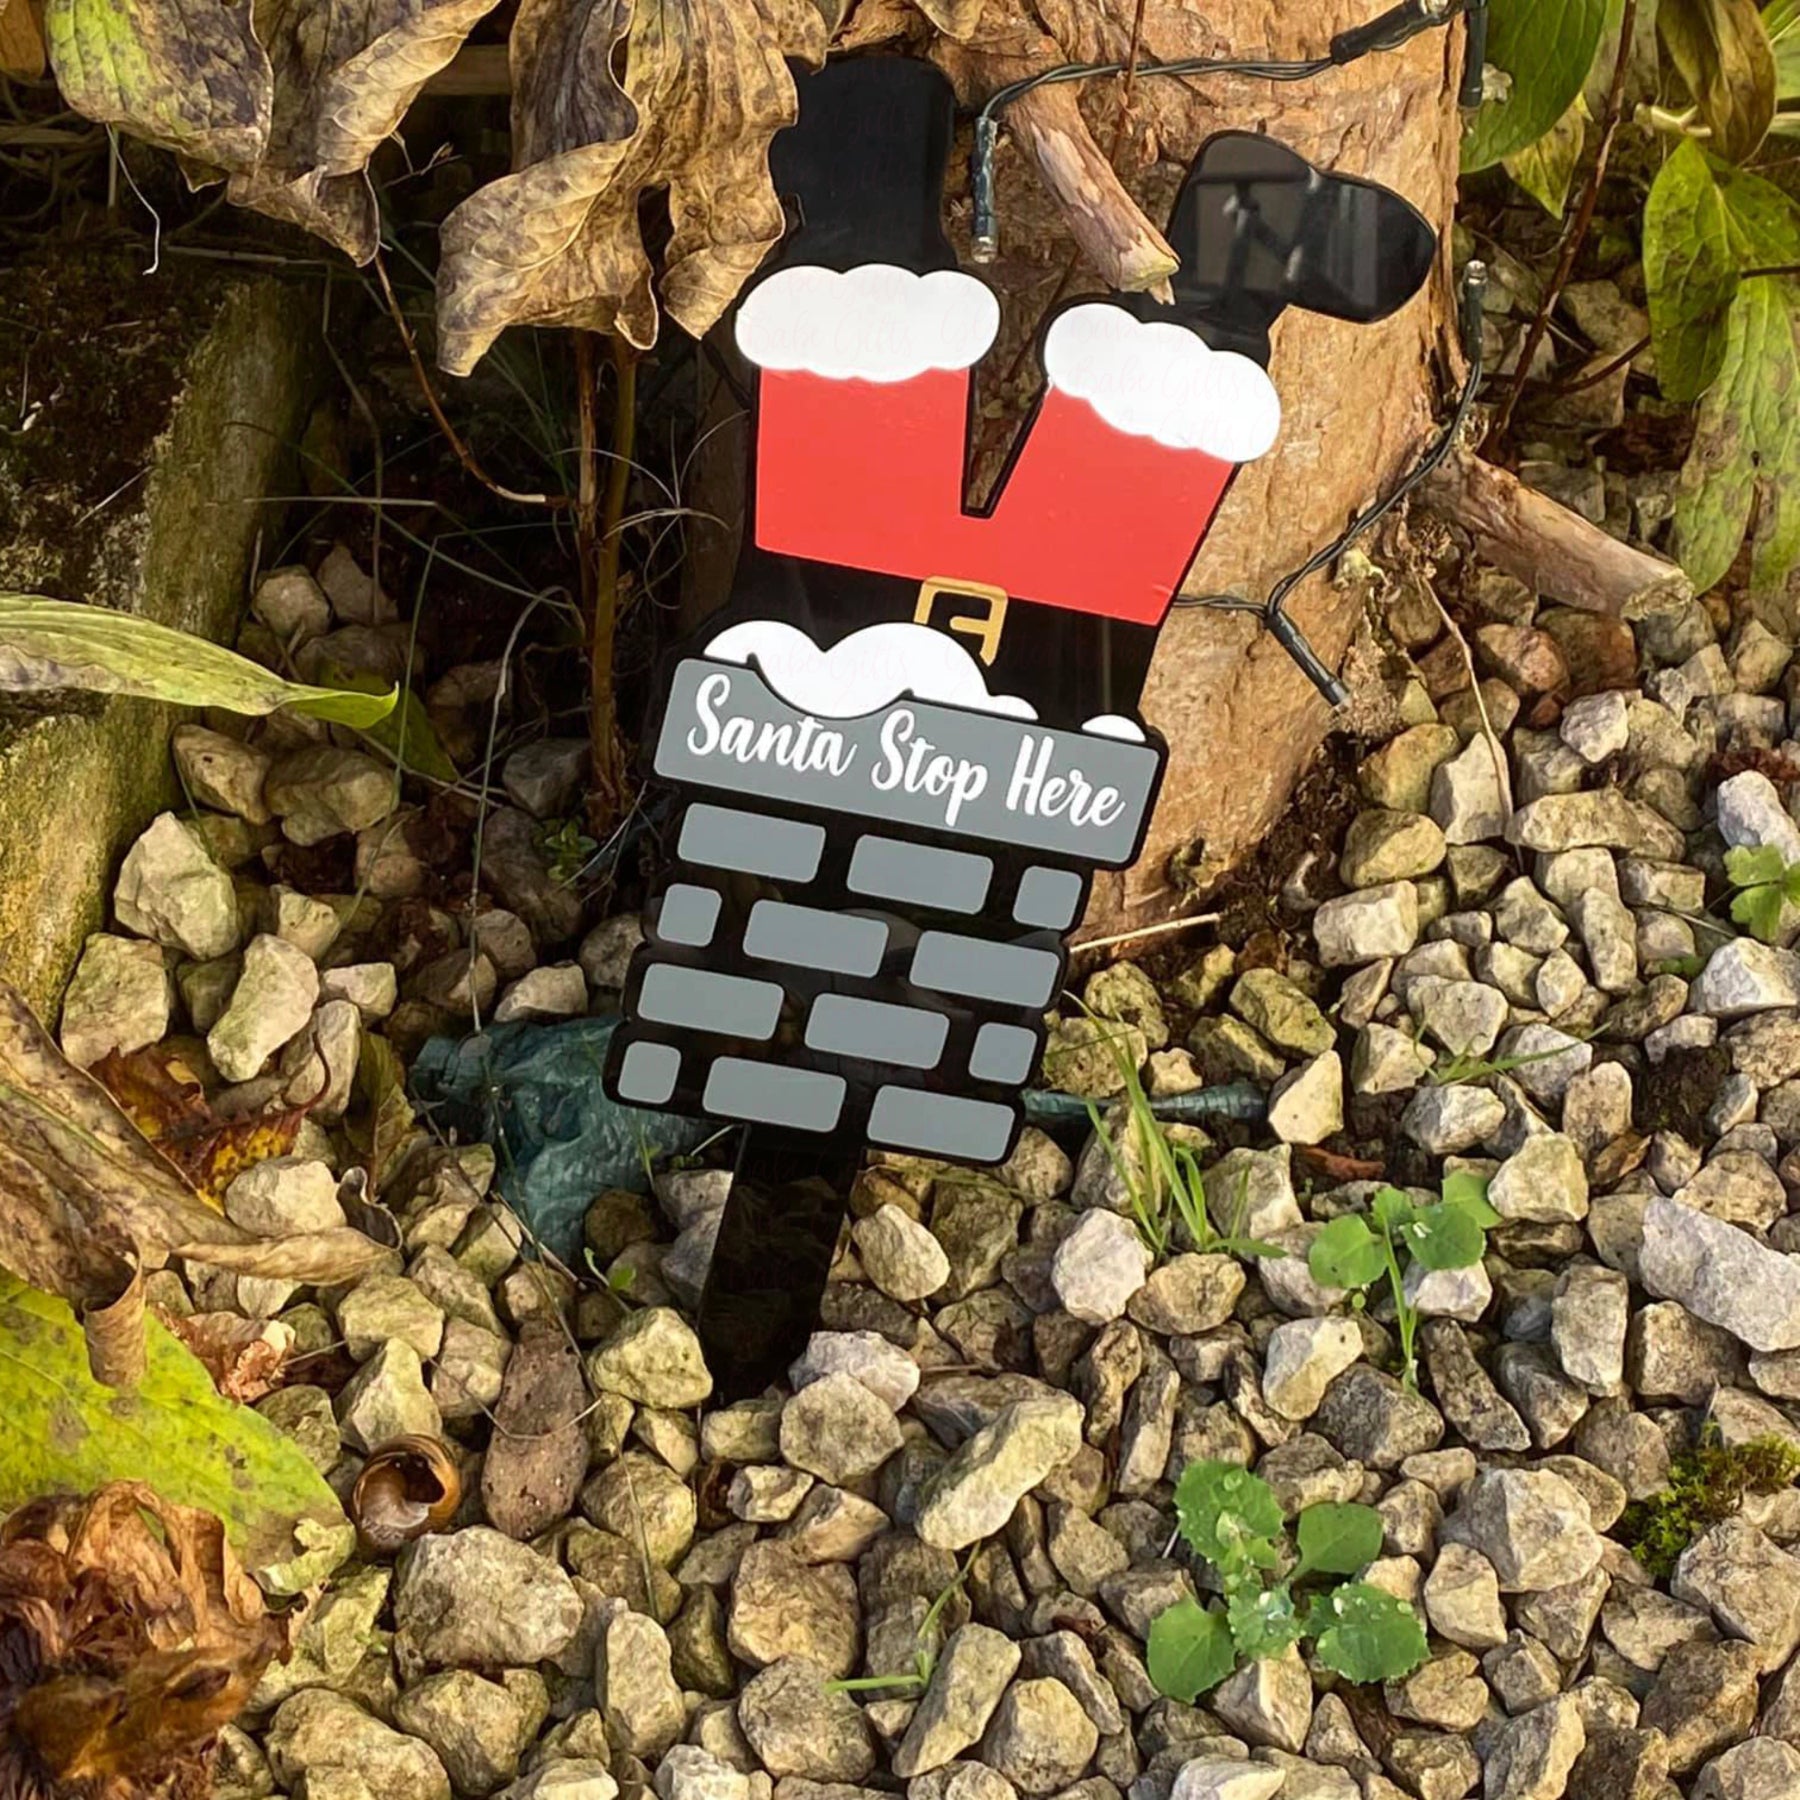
[{"x": 912, "y": 737}]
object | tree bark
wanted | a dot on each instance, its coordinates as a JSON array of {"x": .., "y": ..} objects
[{"x": 1359, "y": 401}]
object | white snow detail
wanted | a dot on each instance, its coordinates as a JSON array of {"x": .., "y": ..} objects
[
  {"x": 874, "y": 323},
  {"x": 1115, "y": 725},
  {"x": 865, "y": 671},
  {"x": 1157, "y": 380}
]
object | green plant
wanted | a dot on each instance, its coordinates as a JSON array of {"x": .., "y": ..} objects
[
  {"x": 918, "y": 1677},
  {"x": 1468, "y": 1067},
  {"x": 1720, "y": 242},
  {"x": 1232, "y": 1518},
  {"x": 1357, "y": 1250},
  {"x": 1167, "y": 1178},
  {"x": 51, "y": 644},
  {"x": 1706, "y": 1486},
  {"x": 1765, "y": 884},
  {"x": 567, "y": 847}
]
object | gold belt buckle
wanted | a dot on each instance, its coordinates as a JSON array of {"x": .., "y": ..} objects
[{"x": 986, "y": 631}]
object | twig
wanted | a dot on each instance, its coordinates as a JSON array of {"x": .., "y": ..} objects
[
  {"x": 1502, "y": 775},
  {"x": 1575, "y": 384},
  {"x": 604, "y": 613},
  {"x": 1144, "y": 931},
  {"x": 1553, "y": 550},
  {"x": 1577, "y": 233},
  {"x": 464, "y": 454}
]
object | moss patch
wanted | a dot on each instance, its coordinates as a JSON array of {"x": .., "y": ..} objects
[
  {"x": 1706, "y": 1486},
  {"x": 167, "y": 409}
]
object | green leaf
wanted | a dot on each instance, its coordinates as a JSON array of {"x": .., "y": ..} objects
[
  {"x": 1762, "y": 221},
  {"x": 1547, "y": 47},
  {"x": 1790, "y": 885},
  {"x": 1545, "y": 169},
  {"x": 1263, "y": 1621},
  {"x": 1721, "y": 50},
  {"x": 1781, "y": 21},
  {"x": 51, "y": 644},
  {"x": 1337, "y": 1539},
  {"x": 1222, "y": 1509},
  {"x": 1444, "y": 1237},
  {"x": 407, "y": 733},
  {"x": 1346, "y": 1254},
  {"x": 65, "y": 1433},
  {"x": 1365, "y": 1634},
  {"x": 1758, "y": 910},
  {"x": 1750, "y": 865},
  {"x": 1746, "y": 442},
  {"x": 1392, "y": 1208},
  {"x": 1690, "y": 272},
  {"x": 1189, "y": 1650},
  {"x": 1467, "y": 1189}
]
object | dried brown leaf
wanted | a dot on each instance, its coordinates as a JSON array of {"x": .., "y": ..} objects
[
  {"x": 85, "y": 1197},
  {"x": 345, "y": 71},
  {"x": 115, "y": 1336},
  {"x": 704, "y": 87},
  {"x": 187, "y": 75},
  {"x": 954, "y": 18},
  {"x": 246, "y": 1358},
  {"x": 1722, "y": 51},
  {"x": 165, "y": 1100},
  {"x": 21, "y": 39},
  {"x": 132, "y": 1634}
]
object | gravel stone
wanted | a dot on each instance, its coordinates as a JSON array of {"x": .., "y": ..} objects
[
  {"x": 1303, "y": 1358},
  {"x": 1099, "y": 1266},
  {"x": 1589, "y": 1314},
  {"x": 797, "y": 1726},
  {"x": 1761, "y": 1768},
  {"x": 1462, "y": 1599},
  {"x": 966, "y": 1686},
  {"x": 171, "y": 891},
  {"x": 1306, "y": 1106},
  {"x": 478, "y": 1728},
  {"x": 1531, "y": 1525},
  {"x": 1531, "y": 1756},
  {"x": 386, "y": 1398},
  {"x": 974, "y": 1494},
  {"x": 1742, "y": 977},
  {"x": 476, "y": 1599},
  {"x": 1370, "y": 1418},
  {"x": 1722, "y": 1275},
  {"x": 1751, "y": 1587},
  {"x": 323, "y": 791},
  {"x": 899, "y": 1255},
  {"x": 1362, "y": 926},
  {"x": 782, "y": 1607},
  {"x": 118, "y": 999},
  {"x": 653, "y": 1358},
  {"x": 835, "y": 1428},
  {"x": 634, "y": 1684},
  {"x": 1040, "y": 1739},
  {"x": 1280, "y": 1012},
  {"x": 271, "y": 1004},
  {"x": 285, "y": 1196},
  {"x": 1542, "y": 1181},
  {"x": 317, "y": 1739},
  {"x": 1268, "y": 1701},
  {"x": 1449, "y": 1120}
]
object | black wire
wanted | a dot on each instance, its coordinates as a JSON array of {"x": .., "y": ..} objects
[
  {"x": 1192, "y": 65},
  {"x": 1273, "y": 607}
]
